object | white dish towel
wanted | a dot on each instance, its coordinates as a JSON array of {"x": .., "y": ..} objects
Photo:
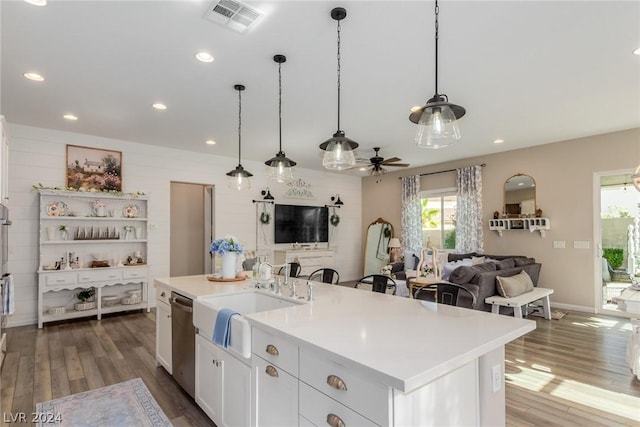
[{"x": 8, "y": 304}]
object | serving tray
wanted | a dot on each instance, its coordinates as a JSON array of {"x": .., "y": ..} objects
[{"x": 220, "y": 279}]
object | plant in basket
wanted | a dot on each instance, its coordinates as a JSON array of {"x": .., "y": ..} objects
[{"x": 85, "y": 297}]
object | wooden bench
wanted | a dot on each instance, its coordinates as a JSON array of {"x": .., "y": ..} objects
[{"x": 517, "y": 302}]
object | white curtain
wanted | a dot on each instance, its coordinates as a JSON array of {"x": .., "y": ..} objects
[
  {"x": 411, "y": 213},
  {"x": 469, "y": 233}
]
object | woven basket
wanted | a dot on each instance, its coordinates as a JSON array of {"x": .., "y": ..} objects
[
  {"x": 81, "y": 306},
  {"x": 131, "y": 300},
  {"x": 57, "y": 311}
]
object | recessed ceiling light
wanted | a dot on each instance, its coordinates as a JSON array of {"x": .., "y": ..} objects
[
  {"x": 34, "y": 76},
  {"x": 415, "y": 108},
  {"x": 210, "y": 142},
  {"x": 363, "y": 169},
  {"x": 637, "y": 51},
  {"x": 70, "y": 117},
  {"x": 498, "y": 141},
  {"x": 37, "y": 2},
  {"x": 159, "y": 106},
  {"x": 204, "y": 57}
]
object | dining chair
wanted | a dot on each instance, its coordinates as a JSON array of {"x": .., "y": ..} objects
[
  {"x": 294, "y": 269},
  {"x": 325, "y": 275},
  {"x": 379, "y": 283},
  {"x": 447, "y": 293}
]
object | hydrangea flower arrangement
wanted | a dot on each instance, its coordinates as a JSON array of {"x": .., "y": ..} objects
[{"x": 226, "y": 245}]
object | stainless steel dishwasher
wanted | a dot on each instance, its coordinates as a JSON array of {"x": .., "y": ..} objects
[{"x": 183, "y": 342}]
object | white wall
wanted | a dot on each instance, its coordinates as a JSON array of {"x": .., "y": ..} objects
[{"x": 39, "y": 156}]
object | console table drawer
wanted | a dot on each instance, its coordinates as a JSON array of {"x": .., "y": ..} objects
[
  {"x": 97, "y": 276},
  {"x": 60, "y": 279},
  {"x": 134, "y": 273}
]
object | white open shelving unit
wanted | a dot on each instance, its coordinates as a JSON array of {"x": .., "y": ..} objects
[{"x": 520, "y": 224}]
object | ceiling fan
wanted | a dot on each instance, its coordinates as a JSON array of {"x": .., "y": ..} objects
[{"x": 377, "y": 163}]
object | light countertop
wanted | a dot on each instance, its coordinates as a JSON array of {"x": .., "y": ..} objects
[{"x": 403, "y": 343}]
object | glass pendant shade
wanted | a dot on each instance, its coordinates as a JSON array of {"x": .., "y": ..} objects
[
  {"x": 280, "y": 168},
  {"x": 239, "y": 178},
  {"x": 338, "y": 152},
  {"x": 437, "y": 127}
]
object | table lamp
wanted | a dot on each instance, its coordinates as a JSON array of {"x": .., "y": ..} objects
[{"x": 394, "y": 247}]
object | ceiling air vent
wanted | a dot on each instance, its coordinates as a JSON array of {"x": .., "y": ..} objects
[{"x": 233, "y": 14}]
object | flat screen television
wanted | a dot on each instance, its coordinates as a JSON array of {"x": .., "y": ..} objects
[{"x": 301, "y": 224}]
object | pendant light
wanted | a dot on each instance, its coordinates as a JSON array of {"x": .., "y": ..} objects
[
  {"x": 280, "y": 167},
  {"x": 437, "y": 126},
  {"x": 339, "y": 149},
  {"x": 239, "y": 178}
]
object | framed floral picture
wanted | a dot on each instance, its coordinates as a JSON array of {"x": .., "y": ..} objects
[{"x": 93, "y": 169}]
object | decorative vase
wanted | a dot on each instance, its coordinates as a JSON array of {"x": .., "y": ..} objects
[
  {"x": 229, "y": 262},
  {"x": 51, "y": 233},
  {"x": 100, "y": 211}
]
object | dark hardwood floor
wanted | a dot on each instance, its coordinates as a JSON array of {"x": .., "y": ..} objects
[{"x": 568, "y": 372}]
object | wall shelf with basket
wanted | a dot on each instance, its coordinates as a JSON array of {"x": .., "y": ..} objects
[
  {"x": 93, "y": 241},
  {"x": 520, "y": 224}
]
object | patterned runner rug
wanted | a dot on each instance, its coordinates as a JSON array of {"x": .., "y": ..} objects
[{"x": 128, "y": 403}]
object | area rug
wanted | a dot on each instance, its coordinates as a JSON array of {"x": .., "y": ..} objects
[{"x": 128, "y": 403}]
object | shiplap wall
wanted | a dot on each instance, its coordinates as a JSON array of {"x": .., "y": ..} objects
[{"x": 39, "y": 156}]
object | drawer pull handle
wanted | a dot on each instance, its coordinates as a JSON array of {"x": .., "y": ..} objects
[
  {"x": 272, "y": 350},
  {"x": 336, "y": 382},
  {"x": 271, "y": 371},
  {"x": 334, "y": 421},
  {"x": 59, "y": 280}
]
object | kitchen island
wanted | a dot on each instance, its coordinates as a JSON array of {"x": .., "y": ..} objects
[{"x": 354, "y": 357}]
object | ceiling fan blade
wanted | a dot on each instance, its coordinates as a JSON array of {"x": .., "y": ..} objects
[
  {"x": 391, "y": 160},
  {"x": 402, "y": 165}
]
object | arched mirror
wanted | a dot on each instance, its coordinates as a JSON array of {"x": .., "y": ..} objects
[
  {"x": 519, "y": 196},
  {"x": 376, "y": 249}
]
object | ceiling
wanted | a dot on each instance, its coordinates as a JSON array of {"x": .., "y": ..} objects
[{"x": 528, "y": 72}]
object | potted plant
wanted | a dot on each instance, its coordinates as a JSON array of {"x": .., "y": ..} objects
[
  {"x": 85, "y": 297},
  {"x": 63, "y": 229}
]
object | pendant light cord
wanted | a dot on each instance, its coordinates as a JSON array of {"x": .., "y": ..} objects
[
  {"x": 280, "y": 103},
  {"x": 239, "y": 125},
  {"x": 437, "y": 11},
  {"x": 338, "y": 56}
]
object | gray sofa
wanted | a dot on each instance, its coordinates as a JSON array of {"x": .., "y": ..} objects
[{"x": 480, "y": 279}]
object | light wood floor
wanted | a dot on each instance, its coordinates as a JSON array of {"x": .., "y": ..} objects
[{"x": 568, "y": 372}]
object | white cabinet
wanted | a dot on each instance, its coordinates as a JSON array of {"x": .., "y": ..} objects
[
  {"x": 275, "y": 382},
  {"x": 4, "y": 163},
  {"x": 91, "y": 241},
  {"x": 223, "y": 385},
  {"x": 310, "y": 260},
  {"x": 163, "y": 328}
]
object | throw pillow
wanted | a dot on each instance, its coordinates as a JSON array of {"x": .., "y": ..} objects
[
  {"x": 449, "y": 267},
  {"x": 477, "y": 260},
  {"x": 456, "y": 257},
  {"x": 520, "y": 261},
  {"x": 513, "y": 286},
  {"x": 410, "y": 260},
  {"x": 505, "y": 263}
]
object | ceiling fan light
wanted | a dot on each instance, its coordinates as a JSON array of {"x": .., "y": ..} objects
[
  {"x": 437, "y": 127},
  {"x": 636, "y": 179}
]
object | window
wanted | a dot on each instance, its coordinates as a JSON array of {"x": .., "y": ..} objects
[{"x": 439, "y": 218}]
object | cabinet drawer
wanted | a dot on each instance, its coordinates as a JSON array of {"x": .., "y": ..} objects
[
  {"x": 276, "y": 350},
  {"x": 61, "y": 279},
  {"x": 345, "y": 385},
  {"x": 276, "y": 400},
  {"x": 134, "y": 273},
  {"x": 321, "y": 410},
  {"x": 96, "y": 276},
  {"x": 163, "y": 295}
]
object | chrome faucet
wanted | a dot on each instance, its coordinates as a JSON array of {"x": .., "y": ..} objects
[
  {"x": 309, "y": 290},
  {"x": 286, "y": 266},
  {"x": 292, "y": 286}
]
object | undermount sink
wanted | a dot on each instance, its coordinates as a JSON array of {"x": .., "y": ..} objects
[{"x": 205, "y": 312}]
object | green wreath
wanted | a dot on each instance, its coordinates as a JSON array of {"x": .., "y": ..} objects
[
  {"x": 265, "y": 218},
  {"x": 334, "y": 220},
  {"x": 387, "y": 231}
]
